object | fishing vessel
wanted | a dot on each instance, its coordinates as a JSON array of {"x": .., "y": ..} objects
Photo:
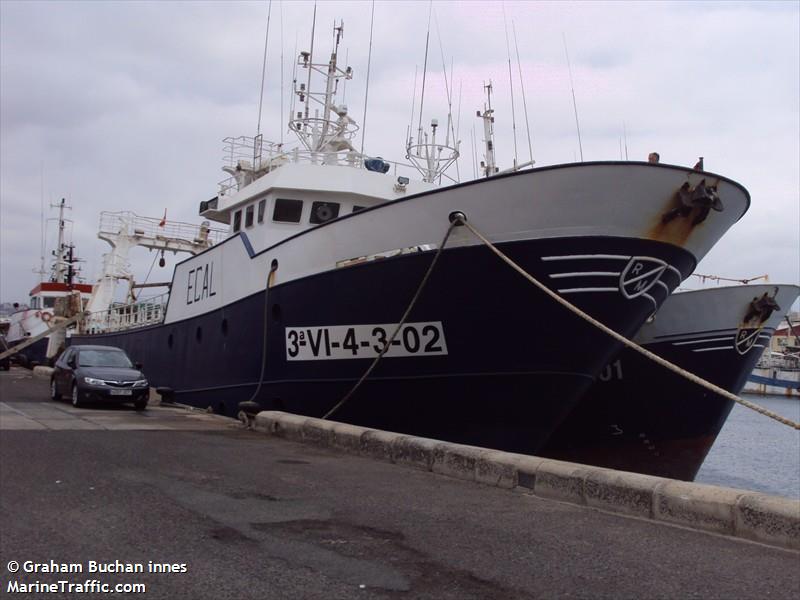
[
  {"x": 327, "y": 246},
  {"x": 643, "y": 418},
  {"x": 46, "y": 300}
]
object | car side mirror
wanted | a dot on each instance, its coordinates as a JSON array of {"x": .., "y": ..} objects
[
  {"x": 138, "y": 365},
  {"x": 72, "y": 363}
]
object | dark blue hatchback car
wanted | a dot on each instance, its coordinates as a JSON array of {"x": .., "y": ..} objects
[{"x": 88, "y": 374}]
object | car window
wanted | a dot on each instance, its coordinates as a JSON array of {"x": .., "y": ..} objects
[
  {"x": 103, "y": 358},
  {"x": 66, "y": 356}
]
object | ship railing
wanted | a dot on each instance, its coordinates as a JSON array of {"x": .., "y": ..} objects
[
  {"x": 141, "y": 313},
  {"x": 154, "y": 228},
  {"x": 251, "y": 159}
]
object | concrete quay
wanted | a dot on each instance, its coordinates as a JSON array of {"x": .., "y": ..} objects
[
  {"x": 260, "y": 516},
  {"x": 749, "y": 515}
]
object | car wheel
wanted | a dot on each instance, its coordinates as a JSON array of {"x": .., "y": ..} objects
[
  {"x": 54, "y": 395},
  {"x": 140, "y": 404},
  {"x": 76, "y": 402}
]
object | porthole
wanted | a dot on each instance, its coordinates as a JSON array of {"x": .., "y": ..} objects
[
  {"x": 198, "y": 334},
  {"x": 276, "y": 312},
  {"x": 170, "y": 341},
  {"x": 224, "y": 326}
]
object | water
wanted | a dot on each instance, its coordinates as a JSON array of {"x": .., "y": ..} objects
[{"x": 757, "y": 453}]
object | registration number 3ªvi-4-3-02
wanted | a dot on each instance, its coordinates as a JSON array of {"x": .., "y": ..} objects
[{"x": 364, "y": 341}]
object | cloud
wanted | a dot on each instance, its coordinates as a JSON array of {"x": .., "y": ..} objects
[{"x": 122, "y": 105}]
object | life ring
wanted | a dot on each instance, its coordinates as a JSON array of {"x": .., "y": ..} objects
[{"x": 46, "y": 316}]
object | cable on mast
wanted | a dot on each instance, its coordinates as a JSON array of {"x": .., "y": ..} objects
[
  {"x": 280, "y": 124},
  {"x": 574, "y": 104},
  {"x": 522, "y": 85},
  {"x": 263, "y": 71},
  {"x": 366, "y": 93},
  {"x": 511, "y": 85},
  {"x": 425, "y": 68}
]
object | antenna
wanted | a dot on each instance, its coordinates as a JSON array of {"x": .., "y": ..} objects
[
  {"x": 424, "y": 70},
  {"x": 574, "y": 104},
  {"x": 280, "y": 125},
  {"x": 413, "y": 101},
  {"x": 458, "y": 123},
  {"x": 366, "y": 94},
  {"x": 625, "y": 137},
  {"x": 511, "y": 85},
  {"x": 522, "y": 85},
  {"x": 263, "y": 71}
]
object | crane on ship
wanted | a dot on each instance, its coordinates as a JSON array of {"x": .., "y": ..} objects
[{"x": 125, "y": 230}]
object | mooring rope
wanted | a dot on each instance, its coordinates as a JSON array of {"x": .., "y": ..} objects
[
  {"x": 620, "y": 338},
  {"x": 387, "y": 345}
]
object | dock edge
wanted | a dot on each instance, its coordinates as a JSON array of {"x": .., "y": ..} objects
[{"x": 771, "y": 520}]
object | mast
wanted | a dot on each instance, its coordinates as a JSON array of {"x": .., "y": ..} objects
[
  {"x": 489, "y": 166},
  {"x": 60, "y": 267}
]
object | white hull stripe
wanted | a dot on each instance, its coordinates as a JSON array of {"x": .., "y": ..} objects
[
  {"x": 702, "y": 341},
  {"x": 586, "y": 274},
  {"x": 587, "y": 289},
  {"x": 713, "y": 349},
  {"x": 584, "y": 256}
]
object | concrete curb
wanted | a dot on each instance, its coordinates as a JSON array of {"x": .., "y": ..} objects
[
  {"x": 42, "y": 372},
  {"x": 749, "y": 515}
]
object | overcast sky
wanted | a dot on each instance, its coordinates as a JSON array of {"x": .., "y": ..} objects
[{"x": 123, "y": 105}]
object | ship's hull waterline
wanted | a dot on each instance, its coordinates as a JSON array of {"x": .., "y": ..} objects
[{"x": 486, "y": 359}]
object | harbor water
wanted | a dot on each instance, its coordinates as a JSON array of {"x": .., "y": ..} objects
[{"x": 754, "y": 452}]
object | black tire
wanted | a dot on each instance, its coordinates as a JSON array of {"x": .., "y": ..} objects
[
  {"x": 54, "y": 395},
  {"x": 140, "y": 405},
  {"x": 76, "y": 402}
]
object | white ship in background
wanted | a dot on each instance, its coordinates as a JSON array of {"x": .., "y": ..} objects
[
  {"x": 47, "y": 299},
  {"x": 778, "y": 370},
  {"x": 327, "y": 246}
]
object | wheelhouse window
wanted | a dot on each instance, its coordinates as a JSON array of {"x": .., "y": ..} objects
[
  {"x": 49, "y": 302},
  {"x": 287, "y": 211},
  {"x": 248, "y": 216},
  {"x": 237, "y": 221},
  {"x": 324, "y": 211},
  {"x": 262, "y": 208}
]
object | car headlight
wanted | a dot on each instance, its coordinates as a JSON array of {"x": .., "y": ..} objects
[
  {"x": 93, "y": 381},
  {"x": 140, "y": 383}
]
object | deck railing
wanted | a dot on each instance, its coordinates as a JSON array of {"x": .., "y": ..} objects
[{"x": 128, "y": 316}]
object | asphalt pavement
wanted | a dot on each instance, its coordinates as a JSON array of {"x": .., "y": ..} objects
[{"x": 239, "y": 515}]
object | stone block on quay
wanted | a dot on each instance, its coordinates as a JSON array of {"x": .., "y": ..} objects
[
  {"x": 414, "y": 452},
  {"x": 347, "y": 437},
  {"x": 769, "y": 519},
  {"x": 559, "y": 480},
  {"x": 317, "y": 431},
  {"x": 455, "y": 460},
  {"x": 378, "y": 444},
  {"x": 497, "y": 468},
  {"x": 618, "y": 491},
  {"x": 695, "y": 505}
]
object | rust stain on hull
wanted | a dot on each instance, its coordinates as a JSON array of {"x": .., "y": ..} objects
[{"x": 678, "y": 220}]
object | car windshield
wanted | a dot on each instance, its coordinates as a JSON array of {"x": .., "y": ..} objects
[{"x": 103, "y": 358}]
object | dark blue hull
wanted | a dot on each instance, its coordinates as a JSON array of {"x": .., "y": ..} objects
[
  {"x": 516, "y": 364},
  {"x": 646, "y": 419},
  {"x": 35, "y": 354}
]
